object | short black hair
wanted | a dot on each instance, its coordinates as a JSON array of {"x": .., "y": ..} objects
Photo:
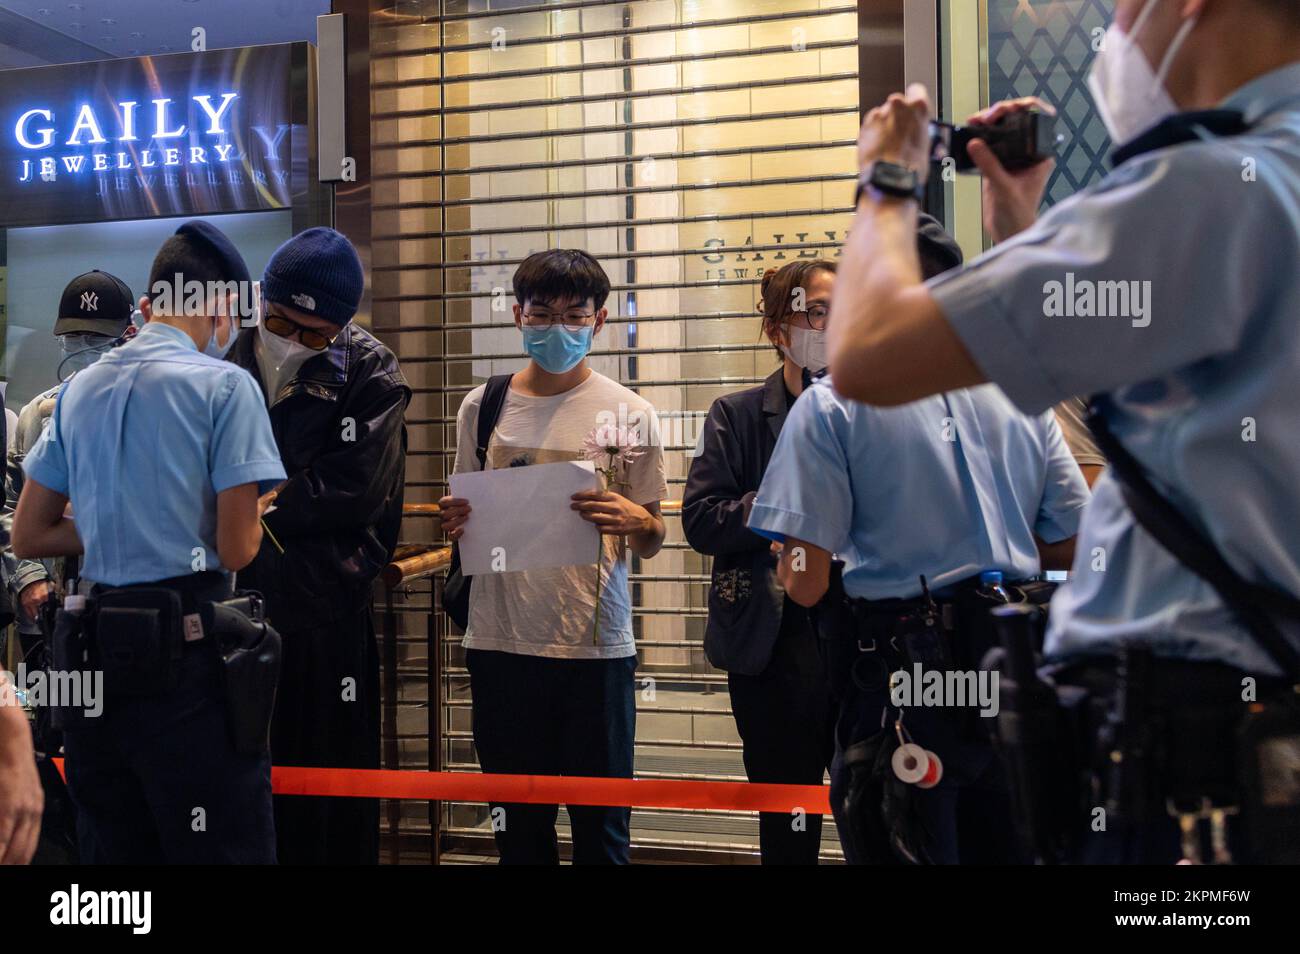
[
  {"x": 939, "y": 251},
  {"x": 560, "y": 273},
  {"x": 193, "y": 260}
]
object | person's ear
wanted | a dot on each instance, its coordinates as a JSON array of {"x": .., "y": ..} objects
[
  {"x": 146, "y": 309},
  {"x": 600, "y": 321},
  {"x": 779, "y": 336},
  {"x": 227, "y": 304},
  {"x": 231, "y": 312},
  {"x": 519, "y": 315}
]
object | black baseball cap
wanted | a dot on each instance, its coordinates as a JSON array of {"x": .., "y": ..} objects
[{"x": 95, "y": 303}]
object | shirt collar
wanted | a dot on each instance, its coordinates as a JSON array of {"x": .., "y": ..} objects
[
  {"x": 1266, "y": 94},
  {"x": 175, "y": 335}
]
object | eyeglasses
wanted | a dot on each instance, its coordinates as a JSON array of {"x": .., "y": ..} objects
[
  {"x": 571, "y": 320},
  {"x": 816, "y": 317},
  {"x": 287, "y": 328}
]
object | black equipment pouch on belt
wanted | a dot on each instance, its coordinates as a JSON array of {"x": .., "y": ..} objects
[
  {"x": 69, "y": 652},
  {"x": 250, "y": 651},
  {"x": 1268, "y": 767},
  {"x": 1268, "y": 739},
  {"x": 138, "y": 637},
  {"x": 881, "y": 823},
  {"x": 1040, "y": 734}
]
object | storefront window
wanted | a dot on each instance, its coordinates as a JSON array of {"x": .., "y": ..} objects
[
  {"x": 992, "y": 50},
  {"x": 93, "y": 173},
  {"x": 1045, "y": 49},
  {"x": 689, "y": 145}
]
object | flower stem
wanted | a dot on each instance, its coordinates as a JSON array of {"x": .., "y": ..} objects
[{"x": 608, "y": 474}]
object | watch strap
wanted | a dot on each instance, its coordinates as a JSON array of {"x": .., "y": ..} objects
[{"x": 867, "y": 181}]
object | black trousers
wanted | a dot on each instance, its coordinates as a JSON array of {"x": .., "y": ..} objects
[
  {"x": 540, "y": 716},
  {"x": 327, "y": 715},
  {"x": 156, "y": 779},
  {"x": 786, "y": 720}
]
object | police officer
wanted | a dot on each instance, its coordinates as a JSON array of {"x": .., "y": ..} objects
[
  {"x": 1197, "y": 363},
  {"x": 925, "y": 505},
  {"x": 162, "y": 451},
  {"x": 94, "y": 314}
]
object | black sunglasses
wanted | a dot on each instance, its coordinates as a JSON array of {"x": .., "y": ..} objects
[{"x": 287, "y": 328}]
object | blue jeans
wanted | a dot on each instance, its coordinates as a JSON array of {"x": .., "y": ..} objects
[
  {"x": 540, "y": 716},
  {"x": 156, "y": 780}
]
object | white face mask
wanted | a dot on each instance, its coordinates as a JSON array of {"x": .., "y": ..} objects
[
  {"x": 1130, "y": 97},
  {"x": 279, "y": 359},
  {"x": 80, "y": 351},
  {"x": 807, "y": 348}
]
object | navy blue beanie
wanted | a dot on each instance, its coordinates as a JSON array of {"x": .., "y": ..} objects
[{"x": 317, "y": 272}]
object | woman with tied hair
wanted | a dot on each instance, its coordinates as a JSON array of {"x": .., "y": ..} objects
[{"x": 763, "y": 640}]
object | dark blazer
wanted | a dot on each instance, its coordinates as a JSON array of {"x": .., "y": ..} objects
[{"x": 746, "y": 602}]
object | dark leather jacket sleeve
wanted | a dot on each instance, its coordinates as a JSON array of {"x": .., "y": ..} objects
[
  {"x": 348, "y": 485},
  {"x": 342, "y": 438},
  {"x": 714, "y": 505}
]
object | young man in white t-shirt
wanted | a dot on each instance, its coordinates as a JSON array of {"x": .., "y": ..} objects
[{"x": 551, "y": 673}]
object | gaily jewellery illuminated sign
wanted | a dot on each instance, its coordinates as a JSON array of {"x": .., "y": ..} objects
[
  {"x": 191, "y": 133},
  {"x": 88, "y": 129}
]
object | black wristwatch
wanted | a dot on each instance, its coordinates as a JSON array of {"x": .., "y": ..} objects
[{"x": 891, "y": 179}]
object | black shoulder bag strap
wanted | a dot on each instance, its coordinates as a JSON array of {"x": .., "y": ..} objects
[
  {"x": 1256, "y": 605},
  {"x": 455, "y": 593},
  {"x": 1181, "y": 128},
  {"x": 489, "y": 413}
]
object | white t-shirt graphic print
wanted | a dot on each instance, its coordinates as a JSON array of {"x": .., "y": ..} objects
[{"x": 551, "y": 612}]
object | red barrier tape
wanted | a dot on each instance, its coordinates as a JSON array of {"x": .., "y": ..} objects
[{"x": 547, "y": 789}]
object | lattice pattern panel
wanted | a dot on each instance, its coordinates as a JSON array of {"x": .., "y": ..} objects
[{"x": 1044, "y": 48}]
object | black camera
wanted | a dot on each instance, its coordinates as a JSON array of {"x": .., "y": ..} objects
[{"x": 1020, "y": 139}]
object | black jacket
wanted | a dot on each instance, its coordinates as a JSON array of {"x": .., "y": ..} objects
[
  {"x": 341, "y": 431},
  {"x": 746, "y": 602}
]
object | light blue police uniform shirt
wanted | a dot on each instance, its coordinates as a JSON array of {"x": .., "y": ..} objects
[
  {"x": 947, "y": 487},
  {"x": 142, "y": 442},
  {"x": 1205, "y": 376}
]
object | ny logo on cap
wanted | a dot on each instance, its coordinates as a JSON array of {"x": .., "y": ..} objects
[
  {"x": 305, "y": 302},
  {"x": 89, "y": 301}
]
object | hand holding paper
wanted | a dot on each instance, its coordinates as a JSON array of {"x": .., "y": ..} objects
[{"x": 523, "y": 518}]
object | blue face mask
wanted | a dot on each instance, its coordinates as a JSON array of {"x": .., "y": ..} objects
[
  {"x": 556, "y": 348},
  {"x": 215, "y": 348}
]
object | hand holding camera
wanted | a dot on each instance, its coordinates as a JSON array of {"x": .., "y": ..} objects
[
  {"x": 1012, "y": 144},
  {"x": 897, "y": 131}
]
